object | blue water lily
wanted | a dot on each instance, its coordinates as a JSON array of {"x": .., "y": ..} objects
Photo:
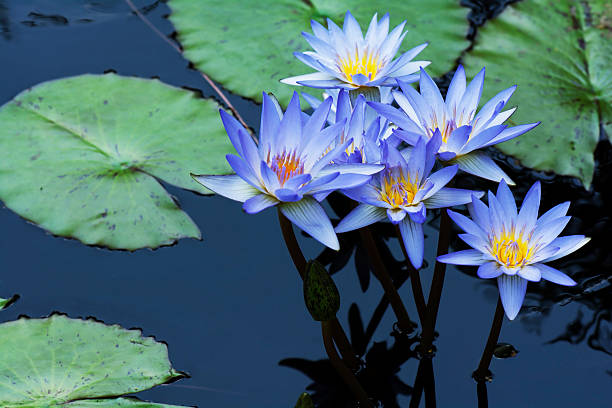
[
  {"x": 403, "y": 191},
  {"x": 513, "y": 246},
  {"x": 291, "y": 166},
  {"x": 345, "y": 58},
  {"x": 463, "y": 130}
]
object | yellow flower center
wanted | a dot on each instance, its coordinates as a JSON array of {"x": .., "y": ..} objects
[
  {"x": 285, "y": 165},
  {"x": 397, "y": 190},
  {"x": 366, "y": 64},
  {"x": 511, "y": 250}
]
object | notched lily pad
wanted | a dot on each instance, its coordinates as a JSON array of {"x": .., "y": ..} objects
[
  {"x": 83, "y": 157},
  {"x": 560, "y": 55},
  {"x": 63, "y": 362},
  {"x": 248, "y": 46}
]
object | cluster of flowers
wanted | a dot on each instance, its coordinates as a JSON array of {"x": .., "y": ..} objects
[{"x": 352, "y": 143}]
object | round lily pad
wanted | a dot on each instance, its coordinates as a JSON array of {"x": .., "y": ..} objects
[
  {"x": 248, "y": 46},
  {"x": 83, "y": 157},
  {"x": 559, "y": 53},
  {"x": 56, "y": 360},
  {"x": 114, "y": 403}
]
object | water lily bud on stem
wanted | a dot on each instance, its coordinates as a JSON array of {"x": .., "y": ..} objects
[{"x": 320, "y": 293}]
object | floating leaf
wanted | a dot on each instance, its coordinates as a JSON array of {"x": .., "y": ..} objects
[
  {"x": 83, "y": 157},
  {"x": 49, "y": 362},
  {"x": 114, "y": 403},
  {"x": 4, "y": 303},
  {"x": 560, "y": 55},
  {"x": 320, "y": 292},
  {"x": 248, "y": 46}
]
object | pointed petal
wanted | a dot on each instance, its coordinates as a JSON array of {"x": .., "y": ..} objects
[
  {"x": 441, "y": 178},
  {"x": 512, "y": 292},
  {"x": 287, "y": 195},
  {"x": 396, "y": 116},
  {"x": 531, "y": 273},
  {"x": 506, "y": 199},
  {"x": 465, "y": 257},
  {"x": 567, "y": 245},
  {"x": 290, "y": 128},
  {"x": 414, "y": 241},
  {"x": 395, "y": 215},
  {"x": 258, "y": 203},
  {"x": 314, "y": 76},
  {"x": 232, "y": 126},
  {"x": 528, "y": 214},
  {"x": 450, "y": 197},
  {"x": 243, "y": 170},
  {"x": 554, "y": 275},
  {"x": 489, "y": 270},
  {"x": 466, "y": 224},
  {"x": 456, "y": 89},
  {"x": 481, "y": 165},
  {"x": 231, "y": 186},
  {"x": 557, "y": 211},
  {"x": 270, "y": 120},
  {"x": 469, "y": 101},
  {"x": 510, "y": 133},
  {"x": 311, "y": 218},
  {"x": 363, "y": 215}
]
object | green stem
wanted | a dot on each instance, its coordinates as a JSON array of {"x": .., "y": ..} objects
[
  {"x": 403, "y": 320},
  {"x": 299, "y": 261},
  {"x": 415, "y": 281},
  {"x": 349, "y": 378},
  {"x": 482, "y": 373},
  {"x": 437, "y": 283}
]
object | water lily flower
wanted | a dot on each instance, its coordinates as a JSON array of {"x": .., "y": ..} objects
[
  {"x": 513, "y": 246},
  {"x": 402, "y": 192},
  {"x": 366, "y": 134},
  {"x": 463, "y": 130},
  {"x": 289, "y": 166},
  {"x": 344, "y": 58}
]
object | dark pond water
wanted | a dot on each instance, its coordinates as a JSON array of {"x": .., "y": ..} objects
[{"x": 230, "y": 307}]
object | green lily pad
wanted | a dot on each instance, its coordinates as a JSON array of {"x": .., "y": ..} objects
[
  {"x": 114, "y": 403},
  {"x": 248, "y": 46},
  {"x": 4, "y": 303},
  {"x": 58, "y": 361},
  {"x": 83, "y": 157},
  {"x": 560, "y": 55}
]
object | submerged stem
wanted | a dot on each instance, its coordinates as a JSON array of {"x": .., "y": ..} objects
[
  {"x": 437, "y": 283},
  {"x": 403, "y": 320},
  {"x": 346, "y": 374},
  {"x": 299, "y": 261},
  {"x": 482, "y": 373},
  {"x": 415, "y": 282}
]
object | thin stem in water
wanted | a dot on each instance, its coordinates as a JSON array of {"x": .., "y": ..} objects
[
  {"x": 403, "y": 320},
  {"x": 415, "y": 281},
  {"x": 300, "y": 264},
  {"x": 437, "y": 283},
  {"x": 206, "y": 77},
  {"x": 482, "y": 373},
  {"x": 346, "y": 374}
]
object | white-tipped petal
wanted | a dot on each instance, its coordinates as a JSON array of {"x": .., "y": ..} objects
[{"x": 362, "y": 216}]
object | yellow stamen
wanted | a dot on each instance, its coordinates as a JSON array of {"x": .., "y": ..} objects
[
  {"x": 511, "y": 250},
  {"x": 285, "y": 165},
  {"x": 367, "y": 64},
  {"x": 397, "y": 190}
]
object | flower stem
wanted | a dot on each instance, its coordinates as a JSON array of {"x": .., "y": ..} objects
[
  {"x": 424, "y": 380},
  {"x": 299, "y": 261},
  {"x": 437, "y": 283},
  {"x": 403, "y": 320},
  {"x": 482, "y": 373},
  {"x": 415, "y": 281},
  {"x": 481, "y": 394},
  {"x": 346, "y": 374}
]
